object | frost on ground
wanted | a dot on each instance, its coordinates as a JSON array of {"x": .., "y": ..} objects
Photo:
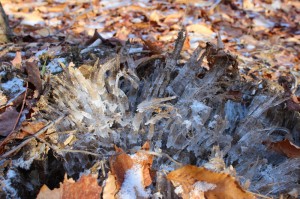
[
  {"x": 132, "y": 186},
  {"x": 184, "y": 110}
]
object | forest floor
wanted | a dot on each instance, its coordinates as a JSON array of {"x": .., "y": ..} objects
[{"x": 209, "y": 89}]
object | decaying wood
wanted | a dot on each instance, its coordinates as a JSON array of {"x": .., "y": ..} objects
[{"x": 5, "y": 31}]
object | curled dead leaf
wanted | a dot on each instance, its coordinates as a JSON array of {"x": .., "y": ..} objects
[
  {"x": 285, "y": 147},
  {"x": 153, "y": 46},
  {"x": 34, "y": 76}
]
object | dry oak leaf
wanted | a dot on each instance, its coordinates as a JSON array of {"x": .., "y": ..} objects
[
  {"x": 85, "y": 187},
  {"x": 8, "y": 120},
  {"x": 192, "y": 180},
  {"x": 17, "y": 61},
  {"x": 110, "y": 189},
  {"x": 123, "y": 162},
  {"x": 154, "y": 46},
  {"x": 200, "y": 28},
  {"x": 286, "y": 147},
  {"x": 34, "y": 75},
  {"x": 29, "y": 128},
  {"x": 145, "y": 160},
  {"x": 119, "y": 164}
]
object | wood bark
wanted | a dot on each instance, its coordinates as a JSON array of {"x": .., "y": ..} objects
[{"x": 5, "y": 31}]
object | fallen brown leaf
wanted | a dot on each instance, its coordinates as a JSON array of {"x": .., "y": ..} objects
[
  {"x": 286, "y": 147},
  {"x": 213, "y": 185},
  {"x": 85, "y": 187},
  {"x": 110, "y": 189},
  {"x": 122, "y": 162},
  {"x": 17, "y": 61},
  {"x": 119, "y": 164},
  {"x": 145, "y": 160},
  {"x": 153, "y": 46},
  {"x": 34, "y": 76},
  {"x": 200, "y": 28},
  {"x": 29, "y": 128},
  {"x": 8, "y": 120}
]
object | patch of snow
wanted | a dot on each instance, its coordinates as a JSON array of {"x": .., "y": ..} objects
[
  {"x": 212, "y": 124},
  {"x": 157, "y": 195},
  {"x": 167, "y": 168},
  {"x": 54, "y": 66},
  {"x": 201, "y": 186},
  {"x": 15, "y": 85},
  {"x": 91, "y": 47},
  {"x": 187, "y": 123},
  {"x": 13, "y": 55},
  {"x": 178, "y": 190},
  {"x": 139, "y": 158},
  {"x": 3, "y": 73},
  {"x": 108, "y": 4},
  {"x": 41, "y": 52},
  {"x": 246, "y": 54},
  {"x": 32, "y": 21},
  {"x": 95, "y": 26},
  {"x": 132, "y": 186},
  {"x": 7, "y": 183},
  {"x": 24, "y": 164},
  {"x": 107, "y": 35},
  {"x": 136, "y": 20},
  {"x": 250, "y": 47},
  {"x": 135, "y": 50}
]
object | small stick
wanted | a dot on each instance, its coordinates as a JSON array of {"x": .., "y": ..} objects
[
  {"x": 259, "y": 195},
  {"x": 41, "y": 131},
  {"x": 160, "y": 155}
]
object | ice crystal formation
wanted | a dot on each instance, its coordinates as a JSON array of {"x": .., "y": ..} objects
[{"x": 184, "y": 110}]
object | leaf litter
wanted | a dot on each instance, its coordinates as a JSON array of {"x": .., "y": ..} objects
[{"x": 186, "y": 102}]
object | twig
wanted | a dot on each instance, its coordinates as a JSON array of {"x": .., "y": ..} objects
[
  {"x": 80, "y": 151},
  {"x": 259, "y": 195},
  {"x": 18, "y": 118},
  {"x": 41, "y": 131},
  {"x": 58, "y": 150},
  {"x": 23, "y": 104},
  {"x": 160, "y": 155}
]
